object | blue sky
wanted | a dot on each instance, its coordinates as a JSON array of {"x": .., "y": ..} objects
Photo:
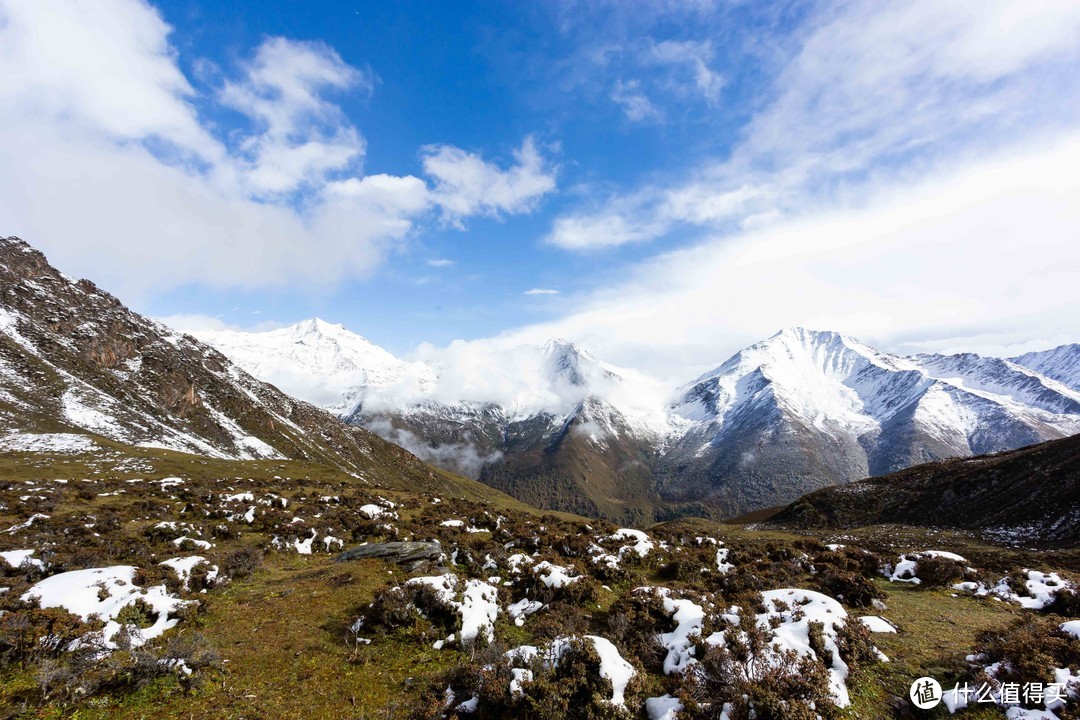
[
  {"x": 481, "y": 77},
  {"x": 681, "y": 178}
]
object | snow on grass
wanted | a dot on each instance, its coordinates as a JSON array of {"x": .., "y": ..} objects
[
  {"x": 907, "y": 568},
  {"x": 1072, "y": 628},
  {"x": 201, "y": 544},
  {"x": 905, "y": 571},
  {"x": 67, "y": 443},
  {"x": 253, "y": 448},
  {"x": 478, "y": 607},
  {"x": 104, "y": 593},
  {"x": 452, "y": 523},
  {"x": 30, "y": 521},
  {"x": 374, "y": 511},
  {"x": 613, "y": 667},
  {"x": 521, "y": 609},
  {"x": 519, "y": 676},
  {"x": 722, "y": 565},
  {"x": 555, "y": 576},
  {"x": 79, "y": 413},
  {"x": 787, "y": 618},
  {"x": 18, "y": 558},
  {"x": 516, "y": 560},
  {"x": 664, "y": 707},
  {"x": 642, "y": 542},
  {"x": 689, "y": 617},
  {"x": 1041, "y": 588},
  {"x": 303, "y": 547},
  {"x": 184, "y": 565},
  {"x": 877, "y": 624},
  {"x": 244, "y": 497}
]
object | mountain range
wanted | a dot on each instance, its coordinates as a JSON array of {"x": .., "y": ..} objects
[{"x": 558, "y": 428}]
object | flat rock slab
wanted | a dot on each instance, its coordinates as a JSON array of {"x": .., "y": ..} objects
[{"x": 398, "y": 552}]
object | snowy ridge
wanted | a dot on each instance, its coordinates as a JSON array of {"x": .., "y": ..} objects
[
  {"x": 1061, "y": 363},
  {"x": 841, "y": 386},
  {"x": 343, "y": 372}
]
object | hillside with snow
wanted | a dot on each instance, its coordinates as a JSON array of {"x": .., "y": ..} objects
[
  {"x": 1061, "y": 363},
  {"x": 82, "y": 373}
]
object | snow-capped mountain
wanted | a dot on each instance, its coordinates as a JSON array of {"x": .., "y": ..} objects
[
  {"x": 798, "y": 411},
  {"x": 535, "y": 421},
  {"x": 1061, "y": 363},
  {"x": 320, "y": 362},
  {"x": 805, "y": 409}
]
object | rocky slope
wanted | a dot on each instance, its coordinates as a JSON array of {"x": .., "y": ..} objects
[{"x": 77, "y": 368}]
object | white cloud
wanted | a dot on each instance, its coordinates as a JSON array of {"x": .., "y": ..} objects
[
  {"x": 635, "y": 104},
  {"x": 645, "y": 215},
  {"x": 441, "y": 263},
  {"x": 76, "y": 61},
  {"x": 541, "y": 291},
  {"x": 871, "y": 91},
  {"x": 106, "y": 164},
  {"x": 524, "y": 377},
  {"x": 618, "y": 224},
  {"x": 195, "y": 324},
  {"x": 465, "y": 184},
  {"x": 695, "y": 57},
  {"x": 981, "y": 256},
  {"x": 300, "y": 136}
]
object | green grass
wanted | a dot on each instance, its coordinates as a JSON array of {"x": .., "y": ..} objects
[
  {"x": 282, "y": 634},
  {"x": 936, "y": 631},
  {"x": 282, "y": 630}
]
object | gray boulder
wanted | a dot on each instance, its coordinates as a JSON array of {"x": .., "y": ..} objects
[{"x": 397, "y": 552}]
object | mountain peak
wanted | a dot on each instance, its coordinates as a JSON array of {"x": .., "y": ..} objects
[
  {"x": 560, "y": 346},
  {"x": 799, "y": 332},
  {"x": 811, "y": 338},
  {"x": 320, "y": 326}
]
